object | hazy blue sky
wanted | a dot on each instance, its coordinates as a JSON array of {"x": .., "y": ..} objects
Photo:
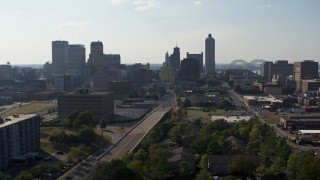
[{"x": 143, "y": 30}]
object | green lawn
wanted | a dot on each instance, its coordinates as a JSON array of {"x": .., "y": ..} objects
[
  {"x": 194, "y": 112},
  {"x": 273, "y": 120},
  {"x": 31, "y": 108}
]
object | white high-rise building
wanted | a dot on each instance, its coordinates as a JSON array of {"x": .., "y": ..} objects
[
  {"x": 210, "y": 64},
  {"x": 59, "y": 57}
]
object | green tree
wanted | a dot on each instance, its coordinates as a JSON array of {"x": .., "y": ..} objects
[
  {"x": 181, "y": 131},
  {"x": 303, "y": 166},
  {"x": 57, "y": 136},
  {"x": 4, "y": 176},
  {"x": 204, "y": 174},
  {"x": 127, "y": 157},
  {"x": 24, "y": 175},
  {"x": 76, "y": 153},
  {"x": 73, "y": 116},
  {"x": 84, "y": 119},
  {"x": 141, "y": 155},
  {"x": 184, "y": 168},
  {"x": 114, "y": 170},
  {"x": 86, "y": 135},
  {"x": 138, "y": 167},
  {"x": 204, "y": 161},
  {"x": 158, "y": 164}
]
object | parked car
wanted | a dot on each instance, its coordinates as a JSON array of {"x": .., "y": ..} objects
[
  {"x": 48, "y": 158},
  {"x": 60, "y": 152}
]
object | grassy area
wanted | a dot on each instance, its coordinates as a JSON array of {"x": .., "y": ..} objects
[
  {"x": 194, "y": 112},
  {"x": 269, "y": 118},
  {"x": 31, "y": 108},
  {"x": 273, "y": 120},
  {"x": 46, "y": 145}
]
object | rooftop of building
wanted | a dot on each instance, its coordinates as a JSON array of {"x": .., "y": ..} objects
[
  {"x": 85, "y": 92},
  {"x": 263, "y": 98},
  {"x": 310, "y": 80},
  {"x": 309, "y": 131},
  {"x": 231, "y": 118},
  {"x": 301, "y": 118},
  {"x": 14, "y": 119}
]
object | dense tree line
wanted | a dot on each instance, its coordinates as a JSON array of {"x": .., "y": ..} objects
[
  {"x": 303, "y": 166},
  {"x": 209, "y": 138},
  {"x": 85, "y": 135},
  {"x": 151, "y": 164}
]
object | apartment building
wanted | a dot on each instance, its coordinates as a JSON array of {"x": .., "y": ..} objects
[{"x": 19, "y": 135}]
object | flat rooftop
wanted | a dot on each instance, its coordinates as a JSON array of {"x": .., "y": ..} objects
[
  {"x": 231, "y": 118},
  {"x": 89, "y": 93},
  {"x": 309, "y": 131},
  {"x": 263, "y": 98},
  {"x": 301, "y": 118},
  {"x": 14, "y": 119}
]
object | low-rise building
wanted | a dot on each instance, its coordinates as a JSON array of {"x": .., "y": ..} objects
[
  {"x": 100, "y": 104},
  {"x": 300, "y": 122},
  {"x": 262, "y": 100}
]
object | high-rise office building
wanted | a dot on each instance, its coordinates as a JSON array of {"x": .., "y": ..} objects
[
  {"x": 112, "y": 60},
  {"x": 175, "y": 58},
  {"x": 59, "y": 57},
  {"x": 188, "y": 70},
  {"x": 96, "y": 55},
  {"x": 167, "y": 58},
  {"x": 199, "y": 58},
  {"x": 307, "y": 69},
  {"x": 76, "y": 59},
  {"x": 210, "y": 63},
  {"x": 268, "y": 69}
]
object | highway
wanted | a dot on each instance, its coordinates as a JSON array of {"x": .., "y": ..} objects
[
  {"x": 136, "y": 135},
  {"x": 127, "y": 143}
]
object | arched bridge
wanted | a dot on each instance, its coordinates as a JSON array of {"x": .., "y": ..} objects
[{"x": 245, "y": 65}]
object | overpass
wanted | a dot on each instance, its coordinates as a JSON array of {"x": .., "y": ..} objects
[{"x": 129, "y": 142}]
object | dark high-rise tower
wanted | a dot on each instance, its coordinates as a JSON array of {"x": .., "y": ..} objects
[
  {"x": 76, "y": 59},
  {"x": 175, "y": 58},
  {"x": 189, "y": 69},
  {"x": 307, "y": 69},
  {"x": 210, "y": 63},
  {"x": 96, "y": 55},
  {"x": 59, "y": 57},
  {"x": 199, "y": 58}
]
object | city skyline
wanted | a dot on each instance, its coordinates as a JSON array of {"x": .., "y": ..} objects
[{"x": 143, "y": 30}]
